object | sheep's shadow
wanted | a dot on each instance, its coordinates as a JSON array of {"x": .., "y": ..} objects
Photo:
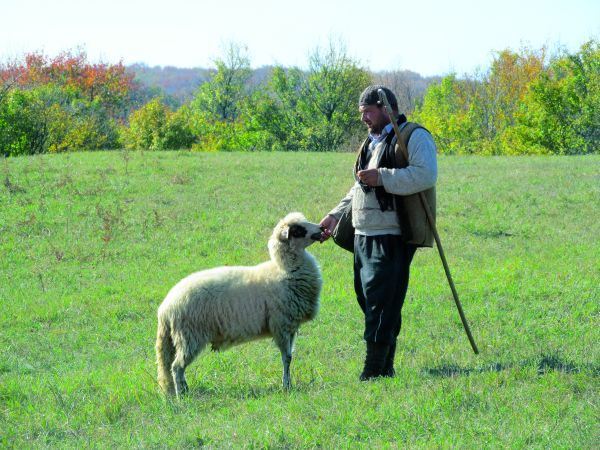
[
  {"x": 544, "y": 364},
  {"x": 239, "y": 392},
  {"x": 246, "y": 392}
]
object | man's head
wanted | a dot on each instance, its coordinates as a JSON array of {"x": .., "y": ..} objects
[{"x": 372, "y": 111}]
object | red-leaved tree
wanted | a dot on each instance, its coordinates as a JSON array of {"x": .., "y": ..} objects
[{"x": 107, "y": 84}]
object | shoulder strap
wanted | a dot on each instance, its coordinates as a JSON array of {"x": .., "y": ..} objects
[{"x": 402, "y": 147}]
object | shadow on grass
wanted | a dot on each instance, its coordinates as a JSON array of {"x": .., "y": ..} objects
[
  {"x": 544, "y": 364},
  {"x": 239, "y": 392},
  {"x": 246, "y": 392},
  {"x": 452, "y": 370},
  {"x": 491, "y": 234},
  {"x": 225, "y": 384}
]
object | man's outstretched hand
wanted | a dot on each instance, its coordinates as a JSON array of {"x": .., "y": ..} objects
[{"x": 327, "y": 225}]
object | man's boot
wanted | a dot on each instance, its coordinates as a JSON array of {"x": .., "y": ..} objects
[
  {"x": 374, "y": 361},
  {"x": 388, "y": 368}
]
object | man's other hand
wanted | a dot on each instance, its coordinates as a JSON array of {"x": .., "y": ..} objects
[{"x": 370, "y": 177}]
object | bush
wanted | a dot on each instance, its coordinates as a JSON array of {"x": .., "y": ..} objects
[
  {"x": 155, "y": 127},
  {"x": 236, "y": 135},
  {"x": 85, "y": 126},
  {"x": 31, "y": 119},
  {"x": 53, "y": 119},
  {"x": 178, "y": 132}
]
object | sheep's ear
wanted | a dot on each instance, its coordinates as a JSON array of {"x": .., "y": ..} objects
[{"x": 285, "y": 234}]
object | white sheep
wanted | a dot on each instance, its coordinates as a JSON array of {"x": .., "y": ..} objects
[{"x": 226, "y": 306}]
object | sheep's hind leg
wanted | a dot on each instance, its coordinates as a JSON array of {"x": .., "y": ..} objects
[
  {"x": 178, "y": 371},
  {"x": 182, "y": 360}
]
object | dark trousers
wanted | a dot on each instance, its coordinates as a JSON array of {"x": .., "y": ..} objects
[{"x": 381, "y": 271}]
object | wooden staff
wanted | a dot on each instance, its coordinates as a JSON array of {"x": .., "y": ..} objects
[{"x": 431, "y": 221}]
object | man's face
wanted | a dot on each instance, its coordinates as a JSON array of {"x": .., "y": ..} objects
[{"x": 375, "y": 117}]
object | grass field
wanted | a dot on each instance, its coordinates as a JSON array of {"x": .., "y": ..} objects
[{"x": 91, "y": 243}]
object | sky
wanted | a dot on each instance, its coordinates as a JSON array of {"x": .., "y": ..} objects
[{"x": 428, "y": 37}]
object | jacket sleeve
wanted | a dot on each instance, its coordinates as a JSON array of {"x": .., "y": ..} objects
[
  {"x": 421, "y": 172},
  {"x": 339, "y": 209}
]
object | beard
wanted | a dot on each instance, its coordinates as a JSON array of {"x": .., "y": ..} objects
[{"x": 376, "y": 128}]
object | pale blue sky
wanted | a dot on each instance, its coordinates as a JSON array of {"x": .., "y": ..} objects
[{"x": 429, "y": 37}]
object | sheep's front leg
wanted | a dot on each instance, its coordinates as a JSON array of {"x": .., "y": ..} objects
[
  {"x": 285, "y": 344},
  {"x": 287, "y": 360}
]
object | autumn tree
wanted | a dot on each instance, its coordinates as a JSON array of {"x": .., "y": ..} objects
[
  {"x": 561, "y": 112},
  {"x": 445, "y": 112},
  {"x": 66, "y": 103},
  {"x": 496, "y": 99},
  {"x": 106, "y": 84},
  {"x": 476, "y": 114}
]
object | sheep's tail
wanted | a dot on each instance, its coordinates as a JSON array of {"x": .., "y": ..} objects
[{"x": 165, "y": 354}]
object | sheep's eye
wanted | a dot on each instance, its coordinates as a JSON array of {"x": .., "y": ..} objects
[{"x": 297, "y": 231}]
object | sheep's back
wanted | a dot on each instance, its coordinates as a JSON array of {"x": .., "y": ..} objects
[{"x": 225, "y": 301}]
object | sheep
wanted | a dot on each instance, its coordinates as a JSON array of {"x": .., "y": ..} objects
[{"x": 226, "y": 306}]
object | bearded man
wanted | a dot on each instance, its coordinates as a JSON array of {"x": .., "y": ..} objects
[{"x": 386, "y": 233}]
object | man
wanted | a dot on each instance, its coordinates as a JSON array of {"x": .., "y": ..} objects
[{"x": 389, "y": 224}]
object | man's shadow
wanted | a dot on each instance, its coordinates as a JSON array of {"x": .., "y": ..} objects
[{"x": 545, "y": 363}]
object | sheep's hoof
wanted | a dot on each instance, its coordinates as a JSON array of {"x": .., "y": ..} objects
[{"x": 183, "y": 391}]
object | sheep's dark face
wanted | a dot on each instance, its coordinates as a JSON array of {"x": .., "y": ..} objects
[{"x": 298, "y": 232}]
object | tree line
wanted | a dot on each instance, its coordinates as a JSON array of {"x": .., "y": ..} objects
[{"x": 526, "y": 102}]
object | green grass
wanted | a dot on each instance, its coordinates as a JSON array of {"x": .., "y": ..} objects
[{"x": 91, "y": 243}]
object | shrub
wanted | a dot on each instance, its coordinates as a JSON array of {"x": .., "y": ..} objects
[{"x": 155, "y": 127}]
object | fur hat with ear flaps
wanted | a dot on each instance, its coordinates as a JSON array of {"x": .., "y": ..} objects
[{"x": 370, "y": 96}]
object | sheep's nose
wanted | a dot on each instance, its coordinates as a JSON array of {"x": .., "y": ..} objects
[{"x": 316, "y": 236}]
